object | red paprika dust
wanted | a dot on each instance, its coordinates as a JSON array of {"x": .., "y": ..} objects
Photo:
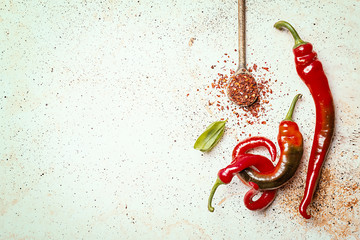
[
  {"x": 242, "y": 89},
  {"x": 217, "y": 101}
]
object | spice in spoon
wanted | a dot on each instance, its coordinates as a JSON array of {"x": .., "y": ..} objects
[{"x": 242, "y": 89}]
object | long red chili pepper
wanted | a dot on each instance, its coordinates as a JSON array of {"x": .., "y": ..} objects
[{"x": 310, "y": 70}]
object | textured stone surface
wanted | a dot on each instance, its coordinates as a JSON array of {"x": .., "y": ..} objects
[{"x": 101, "y": 103}]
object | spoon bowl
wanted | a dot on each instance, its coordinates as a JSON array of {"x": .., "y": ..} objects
[{"x": 242, "y": 89}]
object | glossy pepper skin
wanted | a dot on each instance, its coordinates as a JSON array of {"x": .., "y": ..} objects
[
  {"x": 242, "y": 161},
  {"x": 267, "y": 196},
  {"x": 291, "y": 149},
  {"x": 254, "y": 142},
  {"x": 290, "y": 141},
  {"x": 310, "y": 70}
]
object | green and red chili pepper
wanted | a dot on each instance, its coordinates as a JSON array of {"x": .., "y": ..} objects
[
  {"x": 291, "y": 149},
  {"x": 266, "y": 178}
]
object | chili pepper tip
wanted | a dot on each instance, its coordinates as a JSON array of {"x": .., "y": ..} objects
[{"x": 303, "y": 207}]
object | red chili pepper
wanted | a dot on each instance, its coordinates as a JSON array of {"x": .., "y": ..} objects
[
  {"x": 291, "y": 146},
  {"x": 291, "y": 149},
  {"x": 310, "y": 70},
  {"x": 254, "y": 142},
  {"x": 242, "y": 161},
  {"x": 267, "y": 196}
]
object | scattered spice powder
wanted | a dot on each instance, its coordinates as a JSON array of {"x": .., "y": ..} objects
[
  {"x": 191, "y": 41},
  {"x": 218, "y": 95},
  {"x": 255, "y": 67},
  {"x": 218, "y": 102},
  {"x": 335, "y": 206}
]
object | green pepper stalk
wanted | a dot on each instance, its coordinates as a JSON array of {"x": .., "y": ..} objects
[{"x": 298, "y": 40}]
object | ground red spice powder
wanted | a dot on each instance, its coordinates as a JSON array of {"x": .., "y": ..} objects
[{"x": 242, "y": 89}]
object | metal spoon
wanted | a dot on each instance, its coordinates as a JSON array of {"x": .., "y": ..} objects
[{"x": 242, "y": 88}]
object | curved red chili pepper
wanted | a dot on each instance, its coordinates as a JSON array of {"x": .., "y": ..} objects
[
  {"x": 240, "y": 162},
  {"x": 254, "y": 142},
  {"x": 267, "y": 196},
  {"x": 267, "y": 178},
  {"x": 310, "y": 70}
]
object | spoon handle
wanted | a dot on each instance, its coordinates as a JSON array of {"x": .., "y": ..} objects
[{"x": 241, "y": 31}]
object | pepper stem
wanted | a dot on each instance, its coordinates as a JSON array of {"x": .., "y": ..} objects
[
  {"x": 292, "y": 107},
  {"x": 218, "y": 182},
  {"x": 283, "y": 24}
]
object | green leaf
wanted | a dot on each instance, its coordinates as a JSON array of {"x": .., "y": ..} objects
[{"x": 210, "y": 137}]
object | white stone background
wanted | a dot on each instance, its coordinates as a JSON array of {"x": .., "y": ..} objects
[{"x": 97, "y": 129}]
